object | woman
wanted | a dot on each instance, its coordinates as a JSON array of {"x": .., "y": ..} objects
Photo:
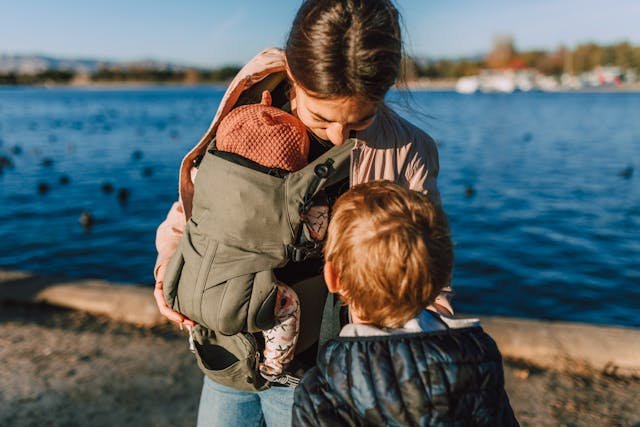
[{"x": 341, "y": 57}]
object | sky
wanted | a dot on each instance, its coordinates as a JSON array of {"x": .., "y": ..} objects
[{"x": 218, "y": 32}]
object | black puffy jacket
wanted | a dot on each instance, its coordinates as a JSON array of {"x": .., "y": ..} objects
[{"x": 443, "y": 378}]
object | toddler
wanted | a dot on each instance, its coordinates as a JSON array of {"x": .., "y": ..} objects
[{"x": 388, "y": 254}]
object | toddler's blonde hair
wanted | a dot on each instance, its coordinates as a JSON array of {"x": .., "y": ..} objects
[{"x": 392, "y": 251}]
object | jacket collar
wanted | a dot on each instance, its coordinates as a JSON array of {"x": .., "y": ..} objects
[{"x": 426, "y": 321}]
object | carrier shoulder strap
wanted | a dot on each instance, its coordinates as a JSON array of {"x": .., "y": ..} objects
[
  {"x": 302, "y": 186},
  {"x": 334, "y": 316},
  {"x": 328, "y": 169}
]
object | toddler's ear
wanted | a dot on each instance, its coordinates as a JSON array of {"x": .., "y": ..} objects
[
  {"x": 331, "y": 278},
  {"x": 266, "y": 99}
]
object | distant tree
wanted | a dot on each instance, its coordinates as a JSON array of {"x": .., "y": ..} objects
[
  {"x": 635, "y": 58},
  {"x": 408, "y": 69},
  {"x": 10, "y": 78},
  {"x": 191, "y": 76},
  {"x": 46, "y": 76},
  {"x": 587, "y": 56},
  {"x": 502, "y": 53},
  {"x": 623, "y": 55},
  {"x": 221, "y": 74},
  {"x": 533, "y": 58},
  {"x": 553, "y": 63}
]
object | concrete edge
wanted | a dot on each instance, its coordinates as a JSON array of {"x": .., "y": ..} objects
[
  {"x": 567, "y": 346},
  {"x": 547, "y": 344},
  {"x": 123, "y": 302}
]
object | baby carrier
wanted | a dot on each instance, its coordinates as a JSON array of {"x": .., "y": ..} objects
[{"x": 246, "y": 222}]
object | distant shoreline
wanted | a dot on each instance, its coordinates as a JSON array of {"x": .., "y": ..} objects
[
  {"x": 115, "y": 85},
  {"x": 450, "y": 85},
  {"x": 422, "y": 85}
]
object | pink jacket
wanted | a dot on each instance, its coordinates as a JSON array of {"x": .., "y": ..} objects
[{"x": 391, "y": 148}]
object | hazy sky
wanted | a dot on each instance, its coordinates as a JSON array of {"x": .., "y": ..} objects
[{"x": 219, "y": 32}]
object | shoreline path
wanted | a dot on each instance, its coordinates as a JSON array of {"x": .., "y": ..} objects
[{"x": 67, "y": 367}]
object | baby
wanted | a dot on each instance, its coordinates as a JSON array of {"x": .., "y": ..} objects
[{"x": 278, "y": 143}]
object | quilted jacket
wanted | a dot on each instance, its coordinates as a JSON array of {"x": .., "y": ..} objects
[{"x": 443, "y": 378}]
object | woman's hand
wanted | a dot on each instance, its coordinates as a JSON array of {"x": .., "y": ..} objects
[{"x": 166, "y": 311}]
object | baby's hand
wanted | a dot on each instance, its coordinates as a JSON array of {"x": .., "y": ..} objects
[{"x": 317, "y": 222}]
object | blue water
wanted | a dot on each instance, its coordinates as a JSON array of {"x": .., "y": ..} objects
[{"x": 552, "y": 230}]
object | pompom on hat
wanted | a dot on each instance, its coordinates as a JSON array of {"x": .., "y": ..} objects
[{"x": 265, "y": 135}]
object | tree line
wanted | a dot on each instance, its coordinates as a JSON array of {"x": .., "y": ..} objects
[
  {"x": 583, "y": 58},
  {"x": 122, "y": 74},
  {"x": 504, "y": 55}
]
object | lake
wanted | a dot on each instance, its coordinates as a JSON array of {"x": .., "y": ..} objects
[{"x": 542, "y": 189}]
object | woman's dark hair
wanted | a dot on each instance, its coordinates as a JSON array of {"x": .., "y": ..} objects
[{"x": 345, "y": 48}]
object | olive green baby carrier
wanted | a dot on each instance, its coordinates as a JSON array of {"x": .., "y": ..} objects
[{"x": 246, "y": 222}]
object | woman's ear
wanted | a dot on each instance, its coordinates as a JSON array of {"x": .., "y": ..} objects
[{"x": 331, "y": 278}]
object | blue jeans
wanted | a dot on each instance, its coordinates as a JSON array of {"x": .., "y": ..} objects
[{"x": 225, "y": 406}]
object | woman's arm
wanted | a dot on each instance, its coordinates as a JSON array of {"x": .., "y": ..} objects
[
  {"x": 168, "y": 237},
  {"x": 424, "y": 166},
  {"x": 422, "y": 176}
]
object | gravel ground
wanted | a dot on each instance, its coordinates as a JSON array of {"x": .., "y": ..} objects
[{"x": 63, "y": 367}]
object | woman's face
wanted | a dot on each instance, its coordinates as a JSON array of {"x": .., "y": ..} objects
[{"x": 331, "y": 119}]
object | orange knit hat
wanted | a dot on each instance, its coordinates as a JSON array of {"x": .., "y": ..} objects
[{"x": 266, "y": 135}]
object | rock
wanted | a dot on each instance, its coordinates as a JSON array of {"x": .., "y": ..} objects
[
  {"x": 137, "y": 155},
  {"x": 86, "y": 219},
  {"x": 626, "y": 173},
  {"x": 43, "y": 188},
  {"x": 6, "y": 163},
  {"x": 47, "y": 162},
  {"x": 64, "y": 180},
  {"x": 107, "y": 188},
  {"x": 469, "y": 191},
  {"x": 123, "y": 195}
]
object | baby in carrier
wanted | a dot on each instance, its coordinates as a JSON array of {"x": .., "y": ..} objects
[{"x": 278, "y": 141}]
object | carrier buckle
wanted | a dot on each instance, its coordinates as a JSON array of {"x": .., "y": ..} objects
[
  {"x": 299, "y": 253},
  {"x": 192, "y": 344},
  {"x": 282, "y": 379},
  {"x": 296, "y": 254}
]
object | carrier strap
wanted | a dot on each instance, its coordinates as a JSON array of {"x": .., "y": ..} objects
[
  {"x": 302, "y": 251},
  {"x": 320, "y": 172},
  {"x": 334, "y": 316},
  {"x": 326, "y": 170}
]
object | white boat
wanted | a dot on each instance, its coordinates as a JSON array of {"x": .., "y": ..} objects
[
  {"x": 547, "y": 83},
  {"x": 524, "y": 81},
  {"x": 497, "y": 81},
  {"x": 467, "y": 85}
]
